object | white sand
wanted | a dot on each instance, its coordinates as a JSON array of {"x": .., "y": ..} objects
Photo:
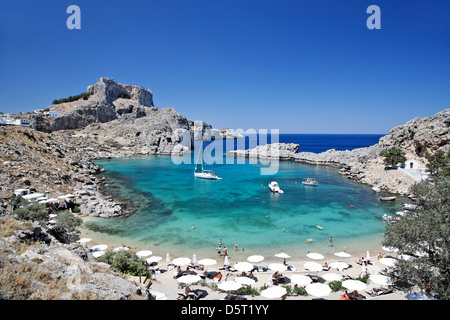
[{"x": 166, "y": 284}]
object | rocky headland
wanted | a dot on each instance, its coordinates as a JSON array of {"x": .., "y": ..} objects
[{"x": 415, "y": 138}]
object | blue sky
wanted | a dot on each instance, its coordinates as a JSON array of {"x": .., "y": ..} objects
[{"x": 298, "y": 66}]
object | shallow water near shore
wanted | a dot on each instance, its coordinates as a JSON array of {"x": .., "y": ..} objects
[{"x": 167, "y": 201}]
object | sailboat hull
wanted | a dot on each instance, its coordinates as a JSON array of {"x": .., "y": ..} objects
[{"x": 208, "y": 176}]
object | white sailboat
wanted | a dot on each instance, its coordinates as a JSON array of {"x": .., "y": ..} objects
[
  {"x": 310, "y": 182},
  {"x": 205, "y": 174}
]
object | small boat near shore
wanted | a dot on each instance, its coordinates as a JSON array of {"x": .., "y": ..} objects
[
  {"x": 310, "y": 182},
  {"x": 387, "y": 198},
  {"x": 274, "y": 187},
  {"x": 409, "y": 206}
]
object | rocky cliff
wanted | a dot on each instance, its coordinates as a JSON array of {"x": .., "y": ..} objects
[
  {"x": 126, "y": 114},
  {"x": 35, "y": 266}
]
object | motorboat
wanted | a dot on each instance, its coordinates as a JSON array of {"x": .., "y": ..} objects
[
  {"x": 310, "y": 182},
  {"x": 409, "y": 206},
  {"x": 376, "y": 189},
  {"x": 274, "y": 187},
  {"x": 386, "y": 198}
]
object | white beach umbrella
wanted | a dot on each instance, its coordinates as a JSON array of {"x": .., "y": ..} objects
[
  {"x": 121, "y": 249},
  {"x": 153, "y": 259},
  {"x": 301, "y": 279},
  {"x": 318, "y": 289},
  {"x": 273, "y": 292},
  {"x": 190, "y": 278},
  {"x": 144, "y": 253},
  {"x": 84, "y": 240},
  {"x": 312, "y": 266},
  {"x": 194, "y": 258},
  {"x": 343, "y": 254},
  {"x": 229, "y": 285},
  {"x": 315, "y": 256},
  {"x": 380, "y": 279},
  {"x": 277, "y": 267},
  {"x": 354, "y": 285},
  {"x": 367, "y": 255},
  {"x": 244, "y": 280},
  {"x": 98, "y": 254},
  {"x": 332, "y": 277},
  {"x": 181, "y": 261},
  {"x": 255, "y": 258},
  {"x": 226, "y": 262},
  {"x": 243, "y": 266},
  {"x": 207, "y": 262},
  {"x": 100, "y": 247},
  {"x": 282, "y": 255},
  {"x": 339, "y": 265},
  {"x": 388, "y": 262},
  {"x": 168, "y": 257}
]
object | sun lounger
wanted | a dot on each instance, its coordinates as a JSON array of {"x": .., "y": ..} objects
[
  {"x": 193, "y": 295},
  {"x": 235, "y": 297},
  {"x": 356, "y": 296},
  {"x": 182, "y": 295},
  {"x": 375, "y": 292}
]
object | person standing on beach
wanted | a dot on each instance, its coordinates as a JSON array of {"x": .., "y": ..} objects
[
  {"x": 225, "y": 251},
  {"x": 219, "y": 249},
  {"x": 331, "y": 241},
  {"x": 235, "y": 246}
]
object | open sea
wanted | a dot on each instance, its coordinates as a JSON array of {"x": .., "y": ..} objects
[{"x": 175, "y": 213}]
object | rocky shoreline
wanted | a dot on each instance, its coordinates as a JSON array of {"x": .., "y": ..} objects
[{"x": 365, "y": 165}]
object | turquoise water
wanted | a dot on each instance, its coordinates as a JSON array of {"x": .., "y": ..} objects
[{"x": 167, "y": 201}]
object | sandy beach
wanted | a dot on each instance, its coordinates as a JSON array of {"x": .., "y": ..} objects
[{"x": 165, "y": 283}]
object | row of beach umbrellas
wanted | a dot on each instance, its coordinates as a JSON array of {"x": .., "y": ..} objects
[{"x": 314, "y": 289}]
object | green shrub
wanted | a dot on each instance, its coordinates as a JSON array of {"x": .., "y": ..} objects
[
  {"x": 301, "y": 291},
  {"x": 17, "y": 201},
  {"x": 363, "y": 279},
  {"x": 125, "y": 262},
  {"x": 65, "y": 228},
  {"x": 83, "y": 96},
  {"x": 33, "y": 212},
  {"x": 247, "y": 291},
  {"x": 335, "y": 285}
]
